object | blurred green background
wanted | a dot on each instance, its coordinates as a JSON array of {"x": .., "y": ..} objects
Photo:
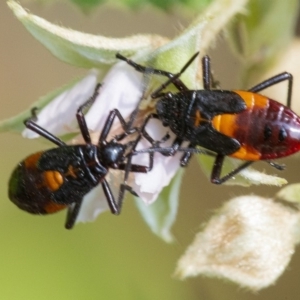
[{"x": 114, "y": 257}]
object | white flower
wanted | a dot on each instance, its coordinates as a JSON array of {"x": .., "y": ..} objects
[
  {"x": 150, "y": 185},
  {"x": 121, "y": 89},
  {"x": 59, "y": 116}
]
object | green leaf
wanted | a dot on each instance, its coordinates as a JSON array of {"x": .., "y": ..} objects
[
  {"x": 197, "y": 37},
  {"x": 262, "y": 33},
  {"x": 86, "y": 50},
  {"x": 87, "y": 5},
  {"x": 290, "y": 193},
  {"x": 82, "y": 49},
  {"x": 161, "y": 215},
  {"x": 187, "y": 6}
]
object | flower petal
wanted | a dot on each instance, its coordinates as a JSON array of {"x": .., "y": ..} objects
[
  {"x": 16, "y": 124},
  {"x": 148, "y": 186},
  {"x": 121, "y": 89},
  {"x": 59, "y": 116},
  {"x": 250, "y": 241},
  {"x": 161, "y": 215},
  {"x": 290, "y": 193},
  {"x": 93, "y": 204}
]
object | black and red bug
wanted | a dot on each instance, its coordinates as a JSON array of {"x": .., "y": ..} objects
[
  {"x": 240, "y": 124},
  {"x": 49, "y": 181}
]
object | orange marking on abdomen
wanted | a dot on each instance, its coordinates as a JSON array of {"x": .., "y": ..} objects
[
  {"x": 53, "y": 180},
  {"x": 227, "y": 123},
  {"x": 31, "y": 161},
  {"x": 198, "y": 118},
  {"x": 253, "y": 99},
  {"x": 53, "y": 207},
  {"x": 246, "y": 153}
]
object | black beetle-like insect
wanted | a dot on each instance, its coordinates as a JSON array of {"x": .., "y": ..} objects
[
  {"x": 240, "y": 124},
  {"x": 48, "y": 181}
]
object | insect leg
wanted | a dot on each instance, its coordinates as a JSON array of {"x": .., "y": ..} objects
[
  {"x": 274, "y": 80},
  {"x": 217, "y": 168},
  {"x": 134, "y": 167},
  {"x": 187, "y": 156},
  {"x": 124, "y": 187},
  {"x": 80, "y": 116},
  {"x": 169, "y": 151},
  {"x": 109, "y": 122},
  {"x": 72, "y": 214},
  {"x": 208, "y": 80},
  {"x": 178, "y": 83},
  {"x": 206, "y": 73},
  {"x": 30, "y": 124},
  {"x": 275, "y": 165},
  {"x": 114, "y": 207},
  {"x": 173, "y": 78},
  {"x": 129, "y": 166}
]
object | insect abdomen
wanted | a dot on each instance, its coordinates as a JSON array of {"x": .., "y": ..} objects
[
  {"x": 30, "y": 190},
  {"x": 265, "y": 130}
]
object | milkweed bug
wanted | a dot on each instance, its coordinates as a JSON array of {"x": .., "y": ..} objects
[
  {"x": 240, "y": 124},
  {"x": 49, "y": 181}
]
